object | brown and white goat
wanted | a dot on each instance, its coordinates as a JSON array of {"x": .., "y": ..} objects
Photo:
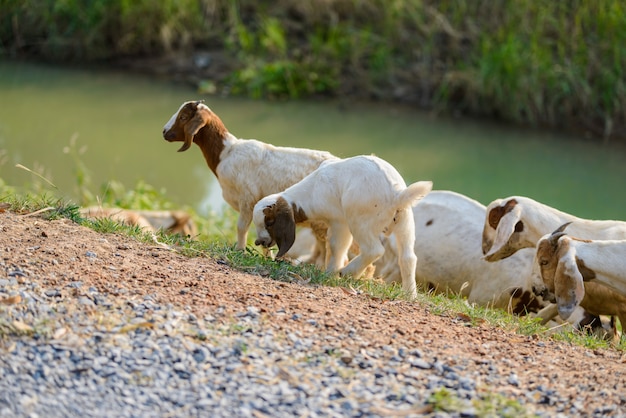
[
  {"x": 589, "y": 273},
  {"x": 170, "y": 221},
  {"x": 246, "y": 169},
  {"x": 519, "y": 222},
  {"x": 448, "y": 228},
  {"x": 359, "y": 198}
]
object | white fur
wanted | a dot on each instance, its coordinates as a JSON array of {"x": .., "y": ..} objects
[
  {"x": 360, "y": 197},
  {"x": 249, "y": 169},
  {"x": 170, "y": 122},
  {"x": 448, "y": 230},
  {"x": 535, "y": 220},
  {"x": 557, "y": 269}
]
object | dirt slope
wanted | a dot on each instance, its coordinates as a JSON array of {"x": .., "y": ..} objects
[{"x": 58, "y": 252}]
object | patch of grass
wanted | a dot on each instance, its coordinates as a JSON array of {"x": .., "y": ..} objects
[
  {"x": 495, "y": 405},
  {"x": 42, "y": 328},
  {"x": 489, "y": 405},
  {"x": 110, "y": 226},
  {"x": 588, "y": 341},
  {"x": 444, "y": 400}
]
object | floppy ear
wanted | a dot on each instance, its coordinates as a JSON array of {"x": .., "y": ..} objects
[
  {"x": 506, "y": 224},
  {"x": 284, "y": 228},
  {"x": 569, "y": 288},
  {"x": 192, "y": 127}
]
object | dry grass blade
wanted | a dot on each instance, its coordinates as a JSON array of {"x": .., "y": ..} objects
[
  {"x": 388, "y": 412},
  {"x": 133, "y": 327},
  {"x": 36, "y": 174},
  {"x": 350, "y": 291},
  {"x": 11, "y": 300},
  {"x": 37, "y": 212},
  {"x": 22, "y": 327}
]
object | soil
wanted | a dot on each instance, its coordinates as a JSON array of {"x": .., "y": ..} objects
[{"x": 61, "y": 251}]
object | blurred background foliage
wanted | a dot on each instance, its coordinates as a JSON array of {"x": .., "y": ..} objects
[{"x": 541, "y": 63}]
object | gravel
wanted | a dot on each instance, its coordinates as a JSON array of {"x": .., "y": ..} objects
[
  {"x": 139, "y": 359},
  {"x": 144, "y": 359}
]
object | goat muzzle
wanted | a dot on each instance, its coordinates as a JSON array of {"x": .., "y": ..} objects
[{"x": 265, "y": 243}]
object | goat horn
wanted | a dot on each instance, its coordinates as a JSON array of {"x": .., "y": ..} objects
[
  {"x": 558, "y": 233},
  {"x": 562, "y": 227}
]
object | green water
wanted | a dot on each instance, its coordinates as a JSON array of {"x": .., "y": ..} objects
[{"x": 116, "y": 122}]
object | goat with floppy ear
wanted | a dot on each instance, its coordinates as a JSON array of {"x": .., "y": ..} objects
[
  {"x": 359, "y": 198},
  {"x": 547, "y": 259},
  {"x": 280, "y": 223},
  {"x": 246, "y": 169},
  {"x": 448, "y": 228},
  {"x": 189, "y": 122},
  {"x": 518, "y": 222},
  {"x": 589, "y": 273}
]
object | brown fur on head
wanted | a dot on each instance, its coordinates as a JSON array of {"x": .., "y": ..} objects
[
  {"x": 191, "y": 118},
  {"x": 494, "y": 217},
  {"x": 191, "y": 122},
  {"x": 568, "y": 281},
  {"x": 281, "y": 225},
  {"x": 498, "y": 212},
  {"x": 548, "y": 259}
]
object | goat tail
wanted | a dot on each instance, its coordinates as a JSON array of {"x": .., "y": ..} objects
[{"x": 414, "y": 192}]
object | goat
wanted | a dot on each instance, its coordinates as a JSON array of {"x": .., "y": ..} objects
[
  {"x": 448, "y": 228},
  {"x": 171, "y": 221},
  {"x": 587, "y": 273},
  {"x": 246, "y": 169},
  {"x": 358, "y": 198},
  {"x": 519, "y": 222}
]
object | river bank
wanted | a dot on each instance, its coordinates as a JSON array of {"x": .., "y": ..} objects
[{"x": 542, "y": 64}]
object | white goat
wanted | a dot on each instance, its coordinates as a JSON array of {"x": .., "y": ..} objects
[
  {"x": 519, "y": 222},
  {"x": 448, "y": 228},
  {"x": 360, "y": 197},
  {"x": 588, "y": 273},
  {"x": 246, "y": 169}
]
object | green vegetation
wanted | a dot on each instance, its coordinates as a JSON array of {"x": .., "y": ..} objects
[
  {"x": 490, "y": 405},
  {"x": 558, "y": 64}
]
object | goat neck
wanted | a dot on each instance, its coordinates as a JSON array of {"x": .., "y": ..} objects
[
  {"x": 601, "y": 261},
  {"x": 212, "y": 139}
]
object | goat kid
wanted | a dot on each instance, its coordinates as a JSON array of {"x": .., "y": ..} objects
[
  {"x": 246, "y": 169},
  {"x": 589, "y": 273},
  {"x": 519, "y": 222},
  {"x": 358, "y": 198}
]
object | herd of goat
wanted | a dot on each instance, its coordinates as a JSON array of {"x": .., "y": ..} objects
[{"x": 356, "y": 216}]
